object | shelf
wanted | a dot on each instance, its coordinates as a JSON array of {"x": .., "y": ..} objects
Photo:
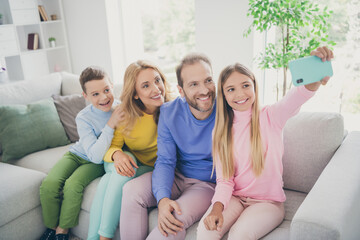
[
  {"x": 23, "y": 31},
  {"x": 28, "y": 51},
  {"x": 54, "y": 48},
  {"x": 22, "y": 17},
  {"x": 50, "y": 22}
]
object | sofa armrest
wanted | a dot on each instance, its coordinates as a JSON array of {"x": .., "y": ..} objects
[{"x": 331, "y": 210}]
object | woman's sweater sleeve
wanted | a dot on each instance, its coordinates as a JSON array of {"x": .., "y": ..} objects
[{"x": 116, "y": 145}]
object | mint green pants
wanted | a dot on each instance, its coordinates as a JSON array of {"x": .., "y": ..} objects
[
  {"x": 106, "y": 206},
  {"x": 61, "y": 192}
]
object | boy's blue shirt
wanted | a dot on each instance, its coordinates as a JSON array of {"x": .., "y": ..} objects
[
  {"x": 184, "y": 143},
  {"x": 95, "y": 135}
]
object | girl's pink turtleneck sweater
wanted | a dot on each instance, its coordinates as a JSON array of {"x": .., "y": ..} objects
[{"x": 269, "y": 185}]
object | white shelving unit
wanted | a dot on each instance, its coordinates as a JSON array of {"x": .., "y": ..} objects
[{"x": 21, "y": 17}]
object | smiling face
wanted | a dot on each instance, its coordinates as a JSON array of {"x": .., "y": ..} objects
[
  {"x": 198, "y": 89},
  {"x": 239, "y": 91},
  {"x": 150, "y": 89},
  {"x": 100, "y": 94}
]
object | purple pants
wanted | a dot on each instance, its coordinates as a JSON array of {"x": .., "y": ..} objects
[{"x": 192, "y": 195}]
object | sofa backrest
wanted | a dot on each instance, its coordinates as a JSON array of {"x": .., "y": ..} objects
[
  {"x": 71, "y": 85},
  {"x": 310, "y": 140},
  {"x": 28, "y": 91}
]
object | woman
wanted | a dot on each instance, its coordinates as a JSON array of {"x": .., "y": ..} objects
[{"x": 134, "y": 146}]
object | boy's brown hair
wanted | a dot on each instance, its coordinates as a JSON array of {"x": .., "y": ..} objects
[{"x": 92, "y": 73}]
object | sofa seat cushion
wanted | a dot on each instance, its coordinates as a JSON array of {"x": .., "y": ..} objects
[
  {"x": 19, "y": 191},
  {"x": 89, "y": 195},
  {"x": 292, "y": 203},
  {"x": 310, "y": 140},
  {"x": 43, "y": 160}
]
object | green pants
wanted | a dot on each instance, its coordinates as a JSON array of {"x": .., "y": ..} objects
[{"x": 61, "y": 192}]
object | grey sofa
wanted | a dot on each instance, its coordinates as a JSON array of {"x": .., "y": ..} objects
[{"x": 321, "y": 176}]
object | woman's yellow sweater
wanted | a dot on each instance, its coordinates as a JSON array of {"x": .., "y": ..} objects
[{"x": 141, "y": 141}]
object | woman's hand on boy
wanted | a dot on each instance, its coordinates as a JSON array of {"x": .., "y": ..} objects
[
  {"x": 124, "y": 164},
  {"x": 326, "y": 55},
  {"x": 215, "y": 219},
  {"x": 116, "y": 117}
]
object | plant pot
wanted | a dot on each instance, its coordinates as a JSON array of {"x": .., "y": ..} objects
[{"x": 52, "y": 44}]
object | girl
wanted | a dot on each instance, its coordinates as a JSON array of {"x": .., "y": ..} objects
[
  {"x": 247, "y": 150},
  {"x": 133, "y": 148}
]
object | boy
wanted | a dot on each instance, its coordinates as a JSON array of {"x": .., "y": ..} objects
[{"x": 61, "y": 191}]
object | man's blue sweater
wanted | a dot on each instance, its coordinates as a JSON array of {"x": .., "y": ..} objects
[{"x": 184, "y": 143}]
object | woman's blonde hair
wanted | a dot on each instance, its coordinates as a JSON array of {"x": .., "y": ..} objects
[
  {"x": 134, "y": 108},
  {"x": 222, "y": 140}
]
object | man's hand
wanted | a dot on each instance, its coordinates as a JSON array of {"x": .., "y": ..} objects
[
  {"x": 167, "y": 223},
  {"x": 124, "y": 164},
  {"x": 326, "y": 55},
  {"x": 116, "y": 117},
  {"x": 215, "y": 219}
]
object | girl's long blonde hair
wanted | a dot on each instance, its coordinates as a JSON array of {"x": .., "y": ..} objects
[
  {"x": 222, "y": 140},
  {"x": 134, "y": 108}
]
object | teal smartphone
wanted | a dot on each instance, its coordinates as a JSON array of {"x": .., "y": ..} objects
[{"x": 309, "y": 69}]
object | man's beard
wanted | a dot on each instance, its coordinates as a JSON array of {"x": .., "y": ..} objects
[{"x": 193, "y": 103}]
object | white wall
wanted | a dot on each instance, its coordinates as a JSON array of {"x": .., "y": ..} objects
[
  {"x": 89, "y": 37},
  {"x": 96, "y": 34},
  {"x": 219, "y": 32}
]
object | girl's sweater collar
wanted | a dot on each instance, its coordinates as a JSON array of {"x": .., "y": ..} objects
[{"x": 242, "y": 116}]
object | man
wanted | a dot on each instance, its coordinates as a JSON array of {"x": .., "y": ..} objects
[{"x": 182, "y": 184}]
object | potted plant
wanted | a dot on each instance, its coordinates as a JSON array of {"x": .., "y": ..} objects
[
  {"x": 301, "y": 26},
  {"x": 1, "y": 19},
  {"x": 52, "y": 42}
]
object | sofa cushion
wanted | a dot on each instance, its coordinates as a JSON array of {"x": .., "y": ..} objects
[
  {"x": 28, "y": 91},
  {"x": 310, "y": 140},
  {"x": 89, "y": 195},
  {"x": 70, "y": 84},
  {"x": 292, "y": 203},
  {"x": 28, "y": 128},
  {"x": 68, "y": 107},
  {"x": 43, "y": 160},
  {"x": 19, "y": 191}
]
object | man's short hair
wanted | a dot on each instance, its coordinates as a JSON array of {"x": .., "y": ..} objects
[
  {"x": 91, "y": 73},
  {"x": 190, "y": 59}
]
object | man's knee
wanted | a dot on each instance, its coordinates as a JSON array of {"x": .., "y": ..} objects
[{"x": 138, "y": 190}]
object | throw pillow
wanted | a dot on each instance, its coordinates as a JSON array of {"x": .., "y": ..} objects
[
  {"x": 68, "y": 107},
  {"x": 29, "y": 128}
]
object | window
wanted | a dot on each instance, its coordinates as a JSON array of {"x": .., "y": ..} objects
[
  {"x": 342, "y": 93},
  {"x": 168, "y": 29}
]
